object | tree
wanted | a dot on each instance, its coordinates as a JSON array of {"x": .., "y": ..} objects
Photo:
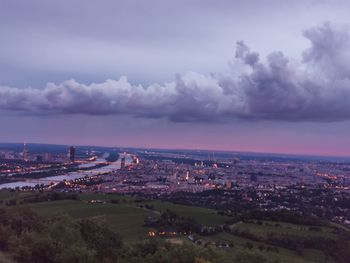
[
  {"x": 56, "y": 241},
  {"x": 99, "y": 237}
]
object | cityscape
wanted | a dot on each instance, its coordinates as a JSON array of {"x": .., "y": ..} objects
[{"x": 269, "y": 182}]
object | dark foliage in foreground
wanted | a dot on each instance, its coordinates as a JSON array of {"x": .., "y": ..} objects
[
  {"x": 30, "y": 238},
  {"x": 170, "y": 220},
  {"x": 27, "y": 237}
]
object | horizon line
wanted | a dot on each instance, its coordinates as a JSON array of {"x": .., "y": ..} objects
[{"x": 192, "y": 149}]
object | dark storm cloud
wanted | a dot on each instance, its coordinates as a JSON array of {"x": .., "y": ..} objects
[{"x": 318, "y": 89}]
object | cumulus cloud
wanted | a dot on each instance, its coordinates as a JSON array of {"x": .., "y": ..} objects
[{"x": 316, "y": 89}]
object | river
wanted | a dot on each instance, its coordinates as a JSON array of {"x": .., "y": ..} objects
[{"x": 71, "y": 175}]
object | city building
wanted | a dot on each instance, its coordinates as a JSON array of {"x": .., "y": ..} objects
[
  {"x": 25, "y": 153},
  {"x": 48, "y": 157},
  {"x": 72, "y": 154},
  {"x": 122, "y": 164}
]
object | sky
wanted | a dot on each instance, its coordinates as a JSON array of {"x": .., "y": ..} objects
[{"x": 257, "y": 76}]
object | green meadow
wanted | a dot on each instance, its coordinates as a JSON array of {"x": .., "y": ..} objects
[{"x": 204, "y": 216}]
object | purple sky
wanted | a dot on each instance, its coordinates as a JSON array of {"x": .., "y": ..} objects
[{"x": 265, "y": 76}]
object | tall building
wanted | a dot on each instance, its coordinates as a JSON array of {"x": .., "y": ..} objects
[
  {"x": 72, "y": 154},
  {"x": 25, "y": 153},
  {"x": 187, "y": 175},
  {"x": 136, "y": 160},
  {"x": 48, "y": 157},
  {"x": 122, "y": 164}
]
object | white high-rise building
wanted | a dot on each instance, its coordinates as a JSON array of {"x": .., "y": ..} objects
[{"x": 25, "y": 153}]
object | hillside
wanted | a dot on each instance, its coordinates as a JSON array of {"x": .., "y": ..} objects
[{"x": 199, "y": 229}]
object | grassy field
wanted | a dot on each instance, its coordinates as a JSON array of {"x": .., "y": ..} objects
[
  {"x": 267, "y": 228},
  {"x": 106, "y": 197},
  {"x": 123, "y": 218},
  {"x": 277, "y": 253},
  {"x": 204, "y": 216}
]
